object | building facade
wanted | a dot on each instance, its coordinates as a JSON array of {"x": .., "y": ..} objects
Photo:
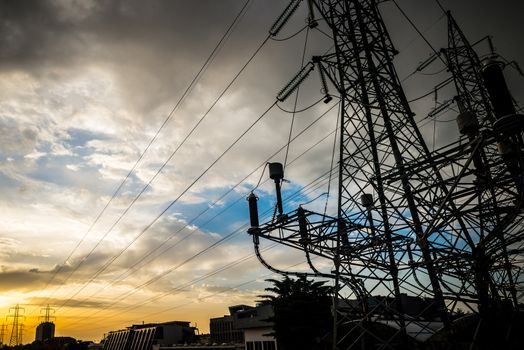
[
  {"x": 247, "y": 325},
  {"x": 223, "y": 329},
  {"x": 45, "y": 331},
  {"x": 144, "y": 336}
]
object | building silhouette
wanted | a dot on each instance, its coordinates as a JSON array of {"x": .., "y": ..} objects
[{"x": 45, "y": 331}]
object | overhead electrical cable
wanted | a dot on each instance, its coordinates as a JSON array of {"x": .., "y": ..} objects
[
  {"x": 211, "y": 205},
  {"x": 105, "y": 267},
  {"x": 419, "y": 32},
  {"x": 208, "y": 296},
  {"x": 230, "y": 288},
  {"x": 145, "y": 229},
  {"x": 294, "y": 138},
  {"x": 206, "y": 63},
  {"x": 296, "y": 98},
  {"x": 312, "y": 186},
  {"x": 135, "y": 199}
]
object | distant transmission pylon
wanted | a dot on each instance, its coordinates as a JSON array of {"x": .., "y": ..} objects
[
  {"x": 16, "y": 334},
  {"x": 21, "y": 333},
  {"x": 3, "y": 328},
  {"x": 47, "y": 316}
]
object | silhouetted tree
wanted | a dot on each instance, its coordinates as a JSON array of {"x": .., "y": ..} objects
[{"x": 302, "y": 313}]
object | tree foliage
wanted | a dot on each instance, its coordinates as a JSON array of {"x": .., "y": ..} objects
[{"x": 302, "y": 313}]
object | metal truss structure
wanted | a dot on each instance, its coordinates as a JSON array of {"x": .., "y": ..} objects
[{"x": 443, "y": 227}]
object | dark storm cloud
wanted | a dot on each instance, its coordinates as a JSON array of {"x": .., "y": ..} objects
[
  {"x": 35, "y": 278},
  {"x": 134, "y": 39},
  {"x": 21, "y": 280},
  {"x": 34, "y": 32}
]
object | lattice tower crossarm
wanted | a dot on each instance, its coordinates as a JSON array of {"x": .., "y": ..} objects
[{"x": 418, "y": 234}]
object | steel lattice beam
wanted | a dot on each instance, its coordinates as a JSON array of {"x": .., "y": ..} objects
[{"x": 441, "y": 222}]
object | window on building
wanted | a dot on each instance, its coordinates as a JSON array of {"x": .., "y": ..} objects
[
  {"x": 258, "y": 345},
  {"x": 249, "y": 345},
  {"x": 269, "y": 345}
]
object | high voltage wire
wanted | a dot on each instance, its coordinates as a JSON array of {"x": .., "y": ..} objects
[
  {"x": 229, "y": 288},
  {"x": 209, "y": 59},
  {"x": 419, "y": 32},
  {"x": 192, "y": 221},
  {"x": 314, "y": 185},
  {"x": 113, "y": 259},
  {"x": 135, "y": 199},
  {"x": 239, "y": 229},
  {"x": 220, "y": 292},
  {"x": 310, "y": 188},
  {"x": 148, "y": 226},
  {"x": 296, "y": 98},
  {"x": 153, "y": 178}
]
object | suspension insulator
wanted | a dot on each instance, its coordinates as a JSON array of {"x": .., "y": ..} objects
[
  {"x": 276, "y": 171},
  {"x": 302, "y": 223},
  {"x": 325, "y": 90},
  {"x": 312, "y": 22},
  {"x": 295, "y": 82},
  {"x": 467, "y": 123},
  {"x": 367, "y": 200},
  {"x": 284, "y": 17},
  {"x": 253, "y": 210},
  {"x": 497, "y": 89}
]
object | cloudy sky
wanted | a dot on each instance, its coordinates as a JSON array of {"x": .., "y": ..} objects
[{"x": 84, "y": 87}]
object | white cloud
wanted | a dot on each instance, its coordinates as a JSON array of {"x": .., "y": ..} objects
[{"x": 76, "y": 114}]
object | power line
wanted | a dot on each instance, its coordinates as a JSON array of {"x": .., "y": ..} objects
[
  {"x": 315, "y": 183},
  {"x": 310, "y": 125},
  {"x": 268, "y": 212},
  {"x": 219, "y": 292},
  {"x": 135, "y": 199},
  {"x": 296, "y": 98},
  {"x": 170, "y": 204},
  {"x": 419, "y": 32},
  {"x": 209, "y": 207},
  {"x": 240, "y": 229},
  {"x": 209, "y": 59}
]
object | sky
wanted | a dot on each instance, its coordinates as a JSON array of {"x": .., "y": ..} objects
[{"x": 84, "y": 88}]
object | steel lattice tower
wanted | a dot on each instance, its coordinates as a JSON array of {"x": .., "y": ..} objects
[
  {"x": 443, "y": 225},
  {"x": 16, "y": 327},
  {"x": 3, "y": 328}
]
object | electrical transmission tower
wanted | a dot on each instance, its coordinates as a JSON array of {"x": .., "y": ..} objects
[
  {"x": 16, "y": 326},
  {"x": 3, "y": 329},
  {"x": 46, "y": 329},
  {"x": 47, "y": 314},
  {"x": 442, "y": 227}
]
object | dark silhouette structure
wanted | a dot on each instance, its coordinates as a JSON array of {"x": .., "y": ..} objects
[
  {"x": 17, "y": 327},
  {"x": 46, "y": 330},
  {"x": 442, "y": 225},
  {"x": 302, "y": 313},
  {"x": 144, "y": 336}
]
